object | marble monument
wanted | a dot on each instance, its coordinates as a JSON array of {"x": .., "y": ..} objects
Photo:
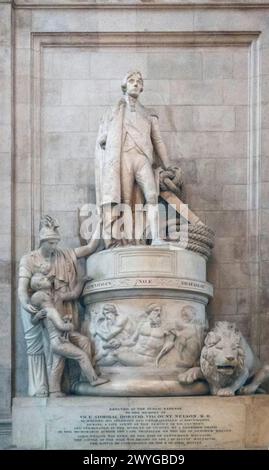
[
  {"x": 145, "y": 322},
  {"x": 193, "y": 122},
  {"x": 145, "y": 299}
]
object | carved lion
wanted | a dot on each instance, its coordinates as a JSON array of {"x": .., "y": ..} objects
[{"x": 227, "y": 363}]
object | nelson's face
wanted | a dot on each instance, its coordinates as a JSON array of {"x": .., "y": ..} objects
[{"x": 134, "y": 86}]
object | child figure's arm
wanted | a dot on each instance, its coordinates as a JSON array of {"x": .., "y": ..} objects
[
  {"x": 57, "y": 321},
  {"x": 40, "y": 315}
]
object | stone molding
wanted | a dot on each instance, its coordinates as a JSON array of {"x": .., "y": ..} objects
[
  {"x": 129, "y": 293},
  {"x": 145, "y": 39},
  {"x": 137, "y": 4},
  {"x": 149, "y": 283}
]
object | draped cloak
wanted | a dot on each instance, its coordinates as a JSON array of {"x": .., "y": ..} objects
[
  {"x": 64, "y": 268},
  {"x": 108, "y": 161}
]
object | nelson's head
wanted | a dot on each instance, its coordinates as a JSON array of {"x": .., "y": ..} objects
[{"x": 132, "y": 84}]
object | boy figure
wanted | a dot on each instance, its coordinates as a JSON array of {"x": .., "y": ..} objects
[
  {"x": 62, "y": 265},
  {"x": 64, "y": 341}
]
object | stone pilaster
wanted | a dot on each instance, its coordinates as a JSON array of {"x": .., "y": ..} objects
[{"x": 6, "y": 219}]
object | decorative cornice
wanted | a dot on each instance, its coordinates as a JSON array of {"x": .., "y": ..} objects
[
  {"x": 145, "y": 39},
  {"x": 138, "y": 4}
]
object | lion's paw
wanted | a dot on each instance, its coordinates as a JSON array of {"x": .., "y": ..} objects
[
  {"x": 247, "y": 390},
  {"x": 189, "y": 376},
  {"x": 225, "y": 392}
]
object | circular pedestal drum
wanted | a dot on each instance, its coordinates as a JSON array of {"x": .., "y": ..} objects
[{"x": 145, "y": 316}]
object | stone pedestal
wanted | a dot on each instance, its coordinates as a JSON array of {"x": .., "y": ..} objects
[
  {"x": 141, "y": 423},
  {"x": 145, "y": 315}
]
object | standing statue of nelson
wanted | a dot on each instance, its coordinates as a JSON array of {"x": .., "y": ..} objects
[{"x": 128, "y": 139}]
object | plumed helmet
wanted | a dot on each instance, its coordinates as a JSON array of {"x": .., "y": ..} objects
[{"x": 48, "y": 229}]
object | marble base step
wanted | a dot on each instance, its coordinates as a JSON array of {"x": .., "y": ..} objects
[{"x": 141, "y": 381}]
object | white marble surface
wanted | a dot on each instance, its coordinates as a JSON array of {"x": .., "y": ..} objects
[
  {"x": 150, "y": 261},
  {"x": 145, "y": 315}
]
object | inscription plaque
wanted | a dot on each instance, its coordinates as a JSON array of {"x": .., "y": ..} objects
[{"x": 138, "y": 424}]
